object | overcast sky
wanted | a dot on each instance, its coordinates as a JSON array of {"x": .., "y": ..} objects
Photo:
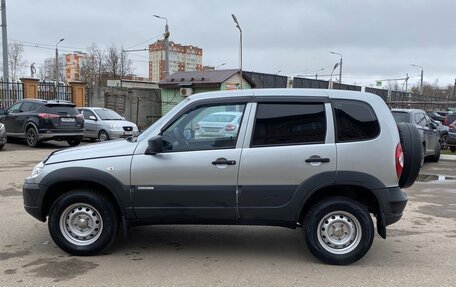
[{"x": 378, "y": 39}]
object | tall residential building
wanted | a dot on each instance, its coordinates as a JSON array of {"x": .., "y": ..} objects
[
  {"x": 69, "y": 67},
  {"x": 181, "y": 58}
]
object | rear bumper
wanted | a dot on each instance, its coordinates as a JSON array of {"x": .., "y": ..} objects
[
  {"x": 392, "y": 202},
  {"x": 48, "y": 135}
]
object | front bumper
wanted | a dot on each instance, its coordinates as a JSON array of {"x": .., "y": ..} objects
[
  {"x": 2, "y": 138},
  {"x": 31, "y": 194}
]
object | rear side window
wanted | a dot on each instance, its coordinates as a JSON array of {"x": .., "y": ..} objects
[
  {"x": 289, "y": 124},
  {"x": 61, "y": 110},
  {"x": 401, "y": 117},
  {"x": 355, "y": 121},
  {"x": 29, "y": 107}
]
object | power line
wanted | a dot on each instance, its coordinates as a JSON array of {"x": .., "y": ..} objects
[{"x": 148, "y": 40}]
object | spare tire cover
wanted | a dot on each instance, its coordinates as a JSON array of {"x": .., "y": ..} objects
[{"x": 411, "y": 146}]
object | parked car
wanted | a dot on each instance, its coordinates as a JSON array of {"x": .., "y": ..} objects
[
  {"x": 443, "y": 132},
  {"x": 450, "y": 118},
  {"x": 300, "y": 158},
  {"x": 223, "y": 124},
  {"x": 430, "y": 137},
  {"x": 105, "y": 124},
  {"x": 2, "y": 135},
  {"x": 452, "y": 137},
  {"x": 436, "y": 116},
  {"x": 42, "y": 120}
]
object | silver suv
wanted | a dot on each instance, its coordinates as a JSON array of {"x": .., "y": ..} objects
[{"x": 300, "y": 158}]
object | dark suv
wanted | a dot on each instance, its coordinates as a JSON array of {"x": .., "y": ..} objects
[{"x": 41, "y": 120}]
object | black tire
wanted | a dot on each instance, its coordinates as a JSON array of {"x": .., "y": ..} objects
[
  {"x": 31, "y": 137},
  {"x": 335, "y": 216},
  {"x": 74, "y": 142},
  {"x": 83, "y": 222},
  {"x": 411, "y": 147},
  {"x": 436, "y": 156},
  {"x": 103, "y": 136},
  {"x": 1, "y": 146},
  {"x": 453, "y": 149},
  {"x": 443, "y": 142}
]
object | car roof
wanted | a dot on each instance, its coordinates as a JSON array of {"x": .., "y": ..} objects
[
  {"x": 93, "y": 108},
  {"x": 52, "y": 102},
  {"x": 294, "y": 92}
]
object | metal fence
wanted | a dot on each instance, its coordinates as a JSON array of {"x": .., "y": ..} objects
[
  {"x": 10, "y": 92},
  {"x": 263, "y": 80},
  {"x": 309, "y": 83},
  {"x": 52, "y": 91}
]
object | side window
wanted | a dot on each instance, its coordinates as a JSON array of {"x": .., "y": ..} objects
[
  {"x": 27, "y": 107},
  {"x": 289, "y": 124},
  {"x": 87, "y": 114},
  {"x": 204, "y": 128},
  {"x": 355, "y": 121},
  {"x": 14, "y": 108},
  {"x": 419, "y": 119}
]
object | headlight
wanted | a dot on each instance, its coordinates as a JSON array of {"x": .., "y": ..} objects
[{"x": 37, "y": 169}]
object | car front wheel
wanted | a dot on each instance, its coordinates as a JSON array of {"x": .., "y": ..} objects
[
  {"x": 83, "y": 222},
  {"x": 338, "y": 230},
  {"x": 103, "y": 136}
]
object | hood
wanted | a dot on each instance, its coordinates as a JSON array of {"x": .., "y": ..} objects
[{"x": 120, "y": 147}]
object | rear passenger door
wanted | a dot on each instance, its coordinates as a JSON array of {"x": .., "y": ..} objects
[{"x": 287, "y": 144}]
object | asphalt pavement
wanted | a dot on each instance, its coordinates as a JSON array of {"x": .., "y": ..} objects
[{"x": 419, "y": 250}]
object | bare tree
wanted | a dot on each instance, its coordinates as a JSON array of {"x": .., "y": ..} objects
[
  {"x": 16, "y": 62},
  {"x": 116, "y": 62},
  {"x": 92, "y": 68}
]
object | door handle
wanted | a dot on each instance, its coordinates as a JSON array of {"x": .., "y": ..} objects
[
  {"x": 317, "y": 159},
  {"x": 223, "y": 161}
]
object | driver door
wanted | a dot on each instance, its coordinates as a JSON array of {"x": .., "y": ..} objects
[
  {"x": 195, "y": 178},
  {"x": 10, "y": 119}
]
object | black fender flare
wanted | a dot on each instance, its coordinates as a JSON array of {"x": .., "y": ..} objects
[{"x": 119, "y": 191}]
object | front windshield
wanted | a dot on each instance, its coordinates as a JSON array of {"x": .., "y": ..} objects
[
  {"x": 106, "y": 114},
  {"x": 147, "y": 133}
]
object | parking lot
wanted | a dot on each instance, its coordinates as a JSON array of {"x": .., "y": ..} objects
[{"x": 419, "y": 250}]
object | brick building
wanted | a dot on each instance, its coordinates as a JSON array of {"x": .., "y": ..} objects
[
  {"x": 69, "y": 67},
  {"x": 181, "y": 58}
]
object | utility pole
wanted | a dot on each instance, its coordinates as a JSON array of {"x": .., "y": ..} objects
[
  {"x": 57, "y": 67},
  {"x": 406, "y": 82},
  {"x": 454, "y": 93},
  {"x": 5, "y": 43},
  {"x": 340, "y": 65},
  {"x": 421, "y": 81}
]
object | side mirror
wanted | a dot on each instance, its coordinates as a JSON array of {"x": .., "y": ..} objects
[
  {"x": 93, "y": 118},
  {"x": 155, "y": 145},
  {"x": 433, "y": 126},
  {"x": 2, "y": 112}
]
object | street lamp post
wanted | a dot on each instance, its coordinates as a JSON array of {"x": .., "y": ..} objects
[
  {"x": 240, "y": 45},
  {"x": 166, "y": 45},
  {"x": 330, "y": 79},
  {"x": 340, "y": 65},
  {"x": 223, "y": 64},
  {"x": 57, "y": 66},
  {"x": 421, "y": 81}
]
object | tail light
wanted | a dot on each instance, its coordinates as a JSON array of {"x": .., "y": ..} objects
[
  {"x": 48, "y": 116},
  {"x": 399, "y": 160},
  {"x": 230, "y": 127},
  {"x": 197, "y": 127}
]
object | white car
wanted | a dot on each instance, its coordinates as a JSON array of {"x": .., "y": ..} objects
[{"x": 219, "y": 124}]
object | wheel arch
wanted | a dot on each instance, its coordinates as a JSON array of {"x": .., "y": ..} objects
[{"x": 64, "y": 180}]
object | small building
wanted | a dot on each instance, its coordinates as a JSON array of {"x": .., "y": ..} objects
[{"x": 182, "y": 84}]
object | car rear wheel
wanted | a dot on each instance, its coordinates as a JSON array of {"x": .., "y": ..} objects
[
  {"x": 436, "y": 156},
  {"x": 83, "y": 222},
  {"x": 338, "y": 230},
  {"x": 74, "y": 142},
  {"x": 31, "y": 136},
  {"x": 103, "y": 136}
]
